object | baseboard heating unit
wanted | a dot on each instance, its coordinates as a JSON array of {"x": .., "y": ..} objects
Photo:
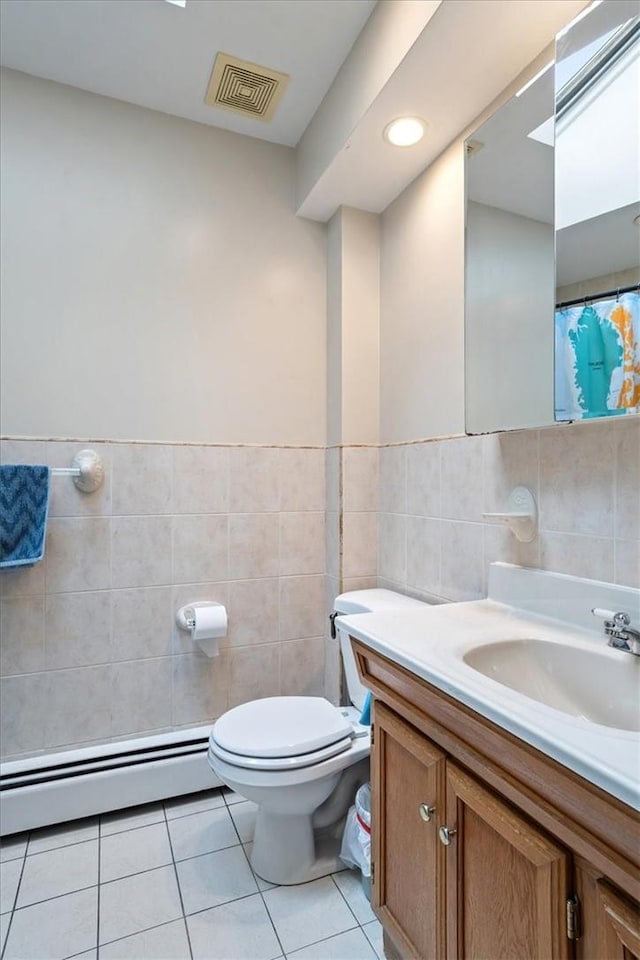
[{"x": 57, "y": 787}]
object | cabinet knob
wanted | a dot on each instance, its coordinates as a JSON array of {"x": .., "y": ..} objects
[
  {"x": 446, "y": 835},
  {"x": 426, "y": 812}
]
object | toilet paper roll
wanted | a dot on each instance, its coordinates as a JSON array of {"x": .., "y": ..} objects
[{"x": 210, "y": 622}]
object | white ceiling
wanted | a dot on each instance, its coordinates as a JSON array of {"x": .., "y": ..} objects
[{"x": 157, "y": 55}]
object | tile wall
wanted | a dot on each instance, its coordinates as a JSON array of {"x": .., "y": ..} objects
[
  {"x": 89, "y": 650},
  {"x": 586, "y": 480}
]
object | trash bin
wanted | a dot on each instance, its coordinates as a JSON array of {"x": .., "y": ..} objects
[{"x": 356, "y": 839}]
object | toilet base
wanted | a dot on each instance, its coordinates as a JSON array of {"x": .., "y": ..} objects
[{"x": 287, "y": 851}]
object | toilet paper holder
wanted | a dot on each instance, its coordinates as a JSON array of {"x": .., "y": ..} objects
[{"x": 186, "y": 618}]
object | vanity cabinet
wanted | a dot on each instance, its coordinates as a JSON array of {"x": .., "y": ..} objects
[{"x": 483, "y": 848}]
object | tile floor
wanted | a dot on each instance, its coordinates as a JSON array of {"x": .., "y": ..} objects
[{"x": 171, "y": 881}]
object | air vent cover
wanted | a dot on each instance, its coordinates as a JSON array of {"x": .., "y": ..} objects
[{"x": 245, "y": 88}]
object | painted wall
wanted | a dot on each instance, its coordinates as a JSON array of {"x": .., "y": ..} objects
[{"x": 157, "y": 284}]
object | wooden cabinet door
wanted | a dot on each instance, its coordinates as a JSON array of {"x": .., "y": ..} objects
[
  {"x": 506, "y": 881},
  {"x": 408, "y": 887},
  {"x": 610, "y": 921}
]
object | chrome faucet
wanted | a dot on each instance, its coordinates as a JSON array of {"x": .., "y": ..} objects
[{"x": 617, "y": 626}]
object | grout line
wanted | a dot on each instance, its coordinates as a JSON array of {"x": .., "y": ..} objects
[
  {"x": 15, "y": 900},
  {"x": 337, "y": 886},
  {"x": 255, "y": 879},
  {"x": 175, "y": 871}
]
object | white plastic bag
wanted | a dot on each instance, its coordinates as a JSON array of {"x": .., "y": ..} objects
[{"x": 356, "y": 839}]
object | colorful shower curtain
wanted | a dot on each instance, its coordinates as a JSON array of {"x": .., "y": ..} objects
[{"x": 597, "y": 358}]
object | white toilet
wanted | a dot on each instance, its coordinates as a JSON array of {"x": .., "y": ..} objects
[{"x": 301, "y": 760}]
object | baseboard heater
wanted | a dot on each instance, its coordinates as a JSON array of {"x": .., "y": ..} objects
[{"x": 55, "y": 788}]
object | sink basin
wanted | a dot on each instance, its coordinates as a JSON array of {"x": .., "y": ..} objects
[{"x": 583, "y": 683}]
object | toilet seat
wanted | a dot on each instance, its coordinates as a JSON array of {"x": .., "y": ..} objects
[
  {"x": 281, "y": 732},
  {"x": 279, "y": 763}
]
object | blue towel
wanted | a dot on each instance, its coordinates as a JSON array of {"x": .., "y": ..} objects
[
  {"x": 24, "y": 504},
  {"x": 365, "y": 716}
]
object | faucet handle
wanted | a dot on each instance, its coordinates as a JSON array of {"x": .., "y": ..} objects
[{"x": 618, "y": 619}]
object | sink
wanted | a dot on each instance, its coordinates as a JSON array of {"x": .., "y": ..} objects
[{"x": 603, "y": 687}]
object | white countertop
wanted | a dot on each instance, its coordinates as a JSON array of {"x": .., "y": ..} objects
[{"x": 431, "y": 643}]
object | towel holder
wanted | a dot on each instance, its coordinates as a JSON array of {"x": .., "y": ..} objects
[{"x": 87, "y": 471}]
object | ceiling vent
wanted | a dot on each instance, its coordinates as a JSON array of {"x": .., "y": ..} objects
[{"x": 245, "y": 88}]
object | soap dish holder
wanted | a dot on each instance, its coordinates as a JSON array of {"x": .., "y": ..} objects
[{"x": 521, "y": 515}]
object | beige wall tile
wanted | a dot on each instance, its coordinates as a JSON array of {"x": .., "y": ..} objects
[
  {"x": 332, "y": 671},
  {"x": 461, "y": 571},
  {"x": 461, "y": 465},
  {"x": 360, "y": 478},
  {"x": 23, "y": 713},
  {"x": 423, "y": 479},
  {"x": 500, "y": 544},
  {"x": 581, "y": 556},
  {"x": 510, "y": 460},
  {"x": 141, "y": 696},
  {"x": 200, "y": 548},
  {"x": 142, "y": 623},
  {"x": 302, "y": 479},
  {"x": 577, "y": 466},
  {"x": 392, "y": 547},
  {"x": 302, "y": 607},
  {"x": 627, "y": 562},
  {"x": 200, "y": 479},
  {"x": 302, "y": 667},
  {"x": 254, "y": 672},
  {"x": 253, "y": 546},
  {"x": 253, "y": 612},
  {"x": 21, "y": 636},
  {"x": 141, "y": 551},
  {"x": 423, "y": 554},
  {"x": 23, "y": 451},
  {"x": 78, "y": 629},
  {"x": 65, "y": 499},
  {"x": 78, "y": 705},
  {"x": 253, "y": 480},
  {"x": 78, "y": 554},
  {"x": 24, "y": 581},
  {"x": 142, "y": 479},
  {"x": 393, "y": 479},
  {"x": 302, "y": 543},
  {"x": 333, "y": 558},
  {"x": 360, "y": 544},
  {"x": 359, "y": 583},
  {"x": 200, "y": 688},
  {"x": 627, "y": 520},
  {"x": 332, "y": 468}
]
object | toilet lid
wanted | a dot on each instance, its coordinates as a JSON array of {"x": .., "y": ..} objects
[{"x": 280, "y": 727}]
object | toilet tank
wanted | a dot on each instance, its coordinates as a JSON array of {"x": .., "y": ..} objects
[{"x": 365, "y": 601}]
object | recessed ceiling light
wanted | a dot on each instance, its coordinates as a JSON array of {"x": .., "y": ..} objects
[
  {"x": 405, "y": 131},
  {"x": 178, "y": 3}
]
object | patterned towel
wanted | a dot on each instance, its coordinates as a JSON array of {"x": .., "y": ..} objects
[{"x": 24, "y": 504}]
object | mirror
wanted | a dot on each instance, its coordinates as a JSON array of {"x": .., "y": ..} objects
[
  {"x": 597, "y": 214},
  {"x": 522, "y": 369}
]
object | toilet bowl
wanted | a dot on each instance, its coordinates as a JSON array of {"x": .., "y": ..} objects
[{"x": 301, "y": 760}]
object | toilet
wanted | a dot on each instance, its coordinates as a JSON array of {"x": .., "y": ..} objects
[{"x": 301, "y": 760}]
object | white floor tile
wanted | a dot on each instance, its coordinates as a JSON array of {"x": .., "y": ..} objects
[
  {"x": 244, "y": 817},
  {"x": 136, "y": 903},
  {"x": 86, "y": 955},
  {"x": 59, "y": 871},
  {"x": 130, "y": 818},
  {"x": 352, "y": 945},
  {"x": 9, "y": 880},
  {"x": 55, "y": 929},
  {"x": 350, "y": 886},
  {"x": 232, "y": 797},
  {"x": 262, "y": 884},
  {"x": 63, "y": 834},
  {"x": 168, "y": 942},
  {"x": 215, "y": 878},
  {"x": 4, "y": 928},
  {"x": 13, "y": 847},
  {"x": 122, "y": 854},
  {"x": 373, "y": 932},
  {"x": 241, "y": 930},
  {"x": 308, "y": 912},
  {"x": 202, "y": 833},
  {"x": 193, "y": 803}
]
